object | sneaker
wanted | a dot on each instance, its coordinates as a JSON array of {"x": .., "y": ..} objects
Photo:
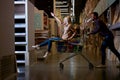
[
  {"x": 118, "y": 66},
  {"x": 36, "y": 47},
  {"x": 45, "y": 55},
  {"x": 101, "y": 66}
]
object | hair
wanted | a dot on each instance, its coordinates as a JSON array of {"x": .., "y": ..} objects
[
  {"x": 95, "y": 14},
  {"x": 68, "y": 19}
]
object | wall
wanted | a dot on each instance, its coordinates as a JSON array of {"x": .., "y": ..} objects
[
  {"x": 6, "y": 27},
  {"x": 7, "y": 47},
  {"x": 31, "y": 29}
]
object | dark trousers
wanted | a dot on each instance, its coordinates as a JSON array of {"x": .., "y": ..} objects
[{"x": 108, "y": 42}]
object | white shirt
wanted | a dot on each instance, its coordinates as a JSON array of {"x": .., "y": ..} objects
[{"x": 65, "y": 33}]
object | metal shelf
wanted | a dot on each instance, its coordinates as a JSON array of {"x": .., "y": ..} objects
[
  {"x": 20, "y": 34},
  {"x": 20, "y": 25},
  {"x": 20, "y": 61},
  {"x": 19, "y": 2},
  {"x": 20, "y": 43},
  {"x": 20, "y": 52},
  {"x": 19, "y": 16}
]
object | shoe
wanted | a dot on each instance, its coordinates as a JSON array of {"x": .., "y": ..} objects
[
  {"x": 45, "y": 55},
  {"x": 118, "y": 66},
  {"x": 36, "y": 47},
  {"x": 101, "y": 66}
]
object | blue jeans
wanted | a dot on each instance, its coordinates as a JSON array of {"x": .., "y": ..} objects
[
  {"x": 108, "y": 42},
  {"x": 49, "y": 42}
]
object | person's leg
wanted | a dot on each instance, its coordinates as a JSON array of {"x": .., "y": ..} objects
[
  {"x": 111, "y": 46},
  {"x": 114, "y": 50},
  {"x": 49, "y": 42},
  {"x": 103, "y": 50},
  {"x": 44, "y": 43},
  {"x": 41, "y": 44}
]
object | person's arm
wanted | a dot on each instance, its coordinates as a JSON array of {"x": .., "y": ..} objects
[
  {"x": 97, "y": 27},
  {"x": 56, "y": 18},
  {"x": 72, "y": 36},
  {"x": 73, "y": 31}
]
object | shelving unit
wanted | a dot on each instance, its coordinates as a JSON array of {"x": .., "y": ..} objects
[
  {"x": 21, "y": 43},
  {"x": 41, "y": 26},
  {"x": 41, "y": 35}
]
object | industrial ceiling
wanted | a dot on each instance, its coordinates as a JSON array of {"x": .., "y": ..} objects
[{"x": 64, "y": 5}]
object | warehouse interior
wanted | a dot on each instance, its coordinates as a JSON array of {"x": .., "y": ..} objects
[{"x": 24, "y": 23}]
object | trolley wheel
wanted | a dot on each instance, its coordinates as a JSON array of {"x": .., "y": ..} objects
[
  {"x": 61, "y": 65},
  {"x": 91, "y": 66}
]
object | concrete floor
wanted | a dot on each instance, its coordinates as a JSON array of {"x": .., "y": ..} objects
[{"x": 76, "y": 68}]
